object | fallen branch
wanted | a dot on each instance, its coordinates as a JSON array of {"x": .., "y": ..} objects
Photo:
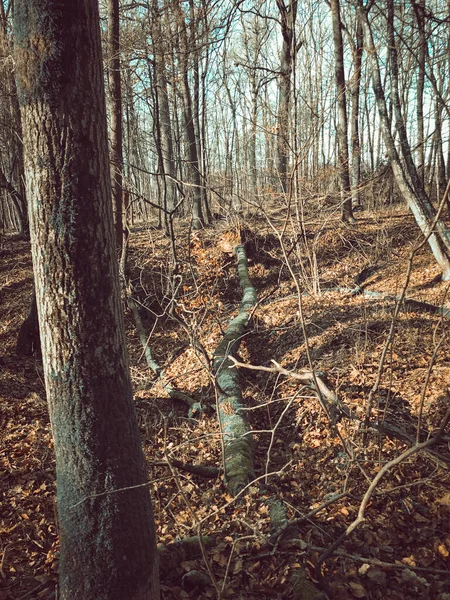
[
  {"x": 199, "y": 470},
  {"x": 385, "y": 469},
  {"x": 410, "y": 303},
  {"x": 325, "y": 395},
  {"x": 375, "y": 561},
  {"x": 172, "y": 555},
  {"x": 237, "y": 441},
  {"x": 333, "y": 405},
  {"x": 276, "y": 537},
  {"x": 153, "y": 365},
  {"x": 301, "y": 587}
]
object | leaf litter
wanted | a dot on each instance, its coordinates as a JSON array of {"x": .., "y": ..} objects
[{"x": 400, "y": 552}]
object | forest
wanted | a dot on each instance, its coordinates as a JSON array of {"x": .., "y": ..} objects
[{"x": 224, "y": 281}]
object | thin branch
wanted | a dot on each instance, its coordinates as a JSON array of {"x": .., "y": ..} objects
[{"x": 381, "y": 473}]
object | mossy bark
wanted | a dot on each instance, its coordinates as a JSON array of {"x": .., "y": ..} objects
[
  {"x": 106, "y": 527},
  {"x": 237, "y": 438}
]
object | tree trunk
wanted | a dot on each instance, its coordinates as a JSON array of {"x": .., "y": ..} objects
[
  {"x": 342, "y": 125},
  {"x": 410, "y": 168},
  {"x": 115, "y": 102},
  {"x": 423, "y": 212},
  {"x": 419, "y": 9},
  {"x": 288, "y": 14},
  {"x": 354, "y": 133},
  {"x": 107, "y": 536},
  {"x": 28, "y": 338},
  {"x": 189, "y": 128},
  {"x": 14, "y": 183},
  {"x": 165, "y": 122}
]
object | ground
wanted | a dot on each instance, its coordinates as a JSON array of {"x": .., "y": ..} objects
[{"x": 302, "y": 460}]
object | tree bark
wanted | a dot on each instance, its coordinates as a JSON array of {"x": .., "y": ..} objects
[
  {"x": 354, "y": 129},
  {"x": 237, "y": 439},
  {"x": 342, "y": 124},
  {"x": 288, "y": 14},
  {"x": 28, "y": 337},
  {"x": 165, "y": 121},
  {"x": 189, "y": 128},
  {"x": 421, "y": 208},
  {"x": 107, "y": 536},
  {"x": 115, "y": 131},
  {"x": 419, "y": 9}
]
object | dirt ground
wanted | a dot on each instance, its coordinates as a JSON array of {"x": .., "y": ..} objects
[{"x": 402, "y": 549}]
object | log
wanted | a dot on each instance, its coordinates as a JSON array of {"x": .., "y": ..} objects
[
  {"x": 208, "y": 472},
  {"x": 237, "y": 438},
  {"x": 172, "y": 555}
]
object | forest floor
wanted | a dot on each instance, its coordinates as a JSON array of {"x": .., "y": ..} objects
[{"x": 402, "y": 549}]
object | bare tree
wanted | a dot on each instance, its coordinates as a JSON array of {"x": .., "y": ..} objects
[
  {"x": 405, "y": 173},
  {"x": 288, "y": 15},
  {"x": 115, "y": 102},
  {"x": 342, "y": 125},
  {"x": 12, "y": 178}
]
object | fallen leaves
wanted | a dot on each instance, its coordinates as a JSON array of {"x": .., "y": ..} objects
[{"x": 408, "y": 519}]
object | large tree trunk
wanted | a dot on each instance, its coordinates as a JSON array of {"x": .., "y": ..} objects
[
  {"x": 418, "y": 203},
  {"x": 342, "y": 125},
  {"x": 107, "y": 535}
]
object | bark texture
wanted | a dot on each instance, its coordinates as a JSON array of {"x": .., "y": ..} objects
[
  {"x": 405, "y": 174},
  {"x": 115, "y": 101},
  {"x": 189, "y": 128},
  {"x": 237, "y": 439},
  {"x": 108, "y": 549},
  {"x": 342, "y": 125},
  {"x": 288, "y": 14}
]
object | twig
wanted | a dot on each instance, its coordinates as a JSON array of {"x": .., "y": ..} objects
[
  {"x": 385, "y": 469},
  {"x": 380, "y": 563},
  {"x": 199, "y": 470},
  {"x": 151, "y": 363},
  {"x": 299, "y": 520},
  {"x": 35, "y": 590}
]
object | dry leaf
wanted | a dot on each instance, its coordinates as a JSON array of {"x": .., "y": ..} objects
[{"x": 357, "y": 590}]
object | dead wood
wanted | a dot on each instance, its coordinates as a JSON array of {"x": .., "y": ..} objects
[
  {"x": 237, "y": 439},
  {"x": 364, "y": 502},
  {"x": 334, "y": 407},
  {"x": 153, "y": 365},
  {"x": 199, "y": 470},
  {"x": 172, "y": 555},
  {"x": 301, "y": 587}
]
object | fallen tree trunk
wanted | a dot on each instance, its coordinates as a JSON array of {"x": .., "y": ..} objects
[
  {"x": 172, "y": 555},
  {"x": 237, "y": 439}
]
